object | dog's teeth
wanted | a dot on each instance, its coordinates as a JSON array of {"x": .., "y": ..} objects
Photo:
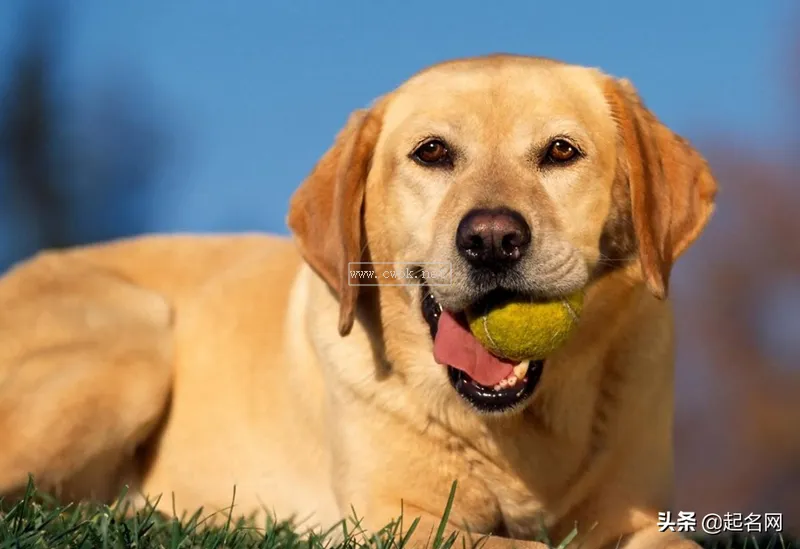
[{"x": 514, "y": 377}]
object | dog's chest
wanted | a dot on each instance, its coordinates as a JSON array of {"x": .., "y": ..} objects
[
  {"x": 522, "y": 507},
  {"x": 528, "y": 478}
]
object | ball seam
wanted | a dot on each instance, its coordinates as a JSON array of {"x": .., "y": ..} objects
[{"x": 484, "y": 322}]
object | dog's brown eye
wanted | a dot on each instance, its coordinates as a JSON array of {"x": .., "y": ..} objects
[
  {"x": 561, "y": 151},
  {"x": 432, "y": 152}
]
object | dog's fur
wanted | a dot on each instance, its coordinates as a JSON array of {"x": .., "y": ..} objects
[{"x": 185, "y": 365}]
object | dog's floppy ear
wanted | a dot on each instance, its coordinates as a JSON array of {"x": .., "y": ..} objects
[
  {"x": 325, "y": 213},
  {"x": 672, "y": 189}
]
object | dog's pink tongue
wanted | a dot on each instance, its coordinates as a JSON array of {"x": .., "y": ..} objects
[{"x": 455, "y": 346}]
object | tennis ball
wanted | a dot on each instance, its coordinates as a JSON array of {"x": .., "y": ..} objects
[{"x": 523, "y": 329}]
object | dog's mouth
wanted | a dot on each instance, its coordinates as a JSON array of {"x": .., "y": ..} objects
[{"x": 501, "y": 385}]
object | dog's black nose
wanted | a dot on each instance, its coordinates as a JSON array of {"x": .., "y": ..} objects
[{"x": 493, "y": 238}]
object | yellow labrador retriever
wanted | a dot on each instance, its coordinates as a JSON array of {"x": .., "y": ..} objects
[{"x": 185, "y": 365}]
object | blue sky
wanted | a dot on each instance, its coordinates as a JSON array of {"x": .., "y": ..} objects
[{"x": 252, "y": 92}]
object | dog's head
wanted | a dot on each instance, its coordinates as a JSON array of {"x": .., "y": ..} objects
[{"x": 502, "y": 174}]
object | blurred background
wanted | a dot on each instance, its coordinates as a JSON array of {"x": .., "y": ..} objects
[{"x": 120, "y": 118}]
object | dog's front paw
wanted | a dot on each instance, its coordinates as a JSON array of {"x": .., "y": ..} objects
[{"x": 653, "y": 538}]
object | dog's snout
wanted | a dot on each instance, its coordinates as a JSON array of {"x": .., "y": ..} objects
[{"x": 493, "y": 238}]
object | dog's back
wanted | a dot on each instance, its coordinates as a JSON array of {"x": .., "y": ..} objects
[{"x": 92, "y": 340}]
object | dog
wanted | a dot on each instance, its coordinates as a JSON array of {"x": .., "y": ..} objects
[{"x": 183, "y": 366}]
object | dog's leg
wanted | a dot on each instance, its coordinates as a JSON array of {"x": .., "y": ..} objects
[
  {"x": 652, "y": 538},
  {"x": 85, "y": 374},
  {"x": 428, "y": 524}
]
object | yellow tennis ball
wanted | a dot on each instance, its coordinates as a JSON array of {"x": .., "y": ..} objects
[{"x": 525, "y": 330}]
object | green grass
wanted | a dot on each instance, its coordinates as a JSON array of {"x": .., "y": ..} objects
[{"x": 37, "y": 521}]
